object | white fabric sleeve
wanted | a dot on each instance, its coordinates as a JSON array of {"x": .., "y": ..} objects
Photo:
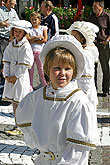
[
  {"x": 24, "y": 115},
  {"x": 6, "y": 61},
  {"x": 82, "y": 126},
  {"x": 74, "y": 154},
  {"x": 6, "y": 69}
]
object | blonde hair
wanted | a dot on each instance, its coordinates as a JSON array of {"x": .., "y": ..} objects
[
  {"x": 36, "y": 14},
  {"x": 62, "y": 55}
]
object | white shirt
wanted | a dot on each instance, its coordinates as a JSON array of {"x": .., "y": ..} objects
[{"x": 37, "y": 32}]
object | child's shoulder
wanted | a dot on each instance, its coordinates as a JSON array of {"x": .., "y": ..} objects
[{"x": 43, "y": 27}]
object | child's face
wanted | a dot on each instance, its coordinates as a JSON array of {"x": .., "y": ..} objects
[
  {"x": 35, "y": 21},
  {"x": 60, "y": 74},
  {"x": 77, "y": 35},
  {"x": 18, "y": 34}
]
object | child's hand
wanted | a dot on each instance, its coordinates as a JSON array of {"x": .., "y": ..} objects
[
  {"x": 7, "y": 78},
  {"x": 12, "y": 79}
]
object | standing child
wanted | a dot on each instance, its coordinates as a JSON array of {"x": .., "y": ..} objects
[
  {"x": 37, "y": 38},
  {"x": 58, "y": 119},
  {"x": 85, "y": 33},
  {"x": 17, "y": 59}
]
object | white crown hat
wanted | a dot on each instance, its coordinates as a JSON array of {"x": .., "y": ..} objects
[
  {"x": 21, "y": 24},
  {"x": 70, "y": 43},
  {"x": 87, "y": 29}
]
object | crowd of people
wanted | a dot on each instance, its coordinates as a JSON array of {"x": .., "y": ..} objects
[{"x": 59, "y": 118}]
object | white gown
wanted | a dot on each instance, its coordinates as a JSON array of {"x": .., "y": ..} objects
[
  {"x": 86, "y": 81},
  {"x": 61, "y": 121},
  {"x": 17, "y": 59}
]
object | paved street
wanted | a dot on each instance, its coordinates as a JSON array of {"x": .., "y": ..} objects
[{"x": 14, "y": 151}]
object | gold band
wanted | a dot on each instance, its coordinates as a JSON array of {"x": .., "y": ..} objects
[
  {"x": 86, "y": 76},
  {"x": 81, "y": 142},
  {"x": 58, "y": 99}
]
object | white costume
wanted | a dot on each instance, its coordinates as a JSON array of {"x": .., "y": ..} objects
[
  {"x": 91, "y": 54},
  {"x": 86, "y": 81},
  {"x": 94, "y": 50},
  {"x": 37, "y": 32},
  {"x": 60, "y": 123},
  {"x": 17, "y": 59},
  {"x": 63, "y": 123}
]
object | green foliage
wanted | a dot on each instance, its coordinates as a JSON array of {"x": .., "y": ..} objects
[
  {"x": 87, "y": 10},
  {"x": 107, "y": 10},
  {"x": 65, "y": 15},
  {"x": 28, "y": 11}
]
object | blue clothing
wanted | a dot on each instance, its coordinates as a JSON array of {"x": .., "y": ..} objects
[{"x": 51, "y": 21}]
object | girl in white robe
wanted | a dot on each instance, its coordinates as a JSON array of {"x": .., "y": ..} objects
[
  {"x": 85, "y": 33},
  {"x": 17, "y": 59},
  {"x": 58, "y": 119}
]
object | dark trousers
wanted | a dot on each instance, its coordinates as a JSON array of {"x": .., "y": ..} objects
[
  {"x": 104, "y": 57},
  {"x": 3, "y": 44}
]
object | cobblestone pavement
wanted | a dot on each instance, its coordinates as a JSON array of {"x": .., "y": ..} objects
[{"x": 14, "y": 151}]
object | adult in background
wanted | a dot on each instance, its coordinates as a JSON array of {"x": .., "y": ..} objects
[
  {"x": 49, "y": 18},
  {"x": 13, "y": 3},
  {"x": 7, "y": 14},
  {"x": 102, "y": 20}
]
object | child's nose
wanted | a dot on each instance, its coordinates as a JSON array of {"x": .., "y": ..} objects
[{"x": 62, "y": 72}]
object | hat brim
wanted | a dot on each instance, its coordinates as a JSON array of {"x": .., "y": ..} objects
[
  {"x": 78, "y": 55},
  {"x": 21, "y": 28}
]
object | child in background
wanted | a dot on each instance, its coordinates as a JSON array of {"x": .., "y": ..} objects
[
  {"x": 17, "y": 59},
  {"x": 85, "y": 33},
  {"x": 37, "y": 38},
  {"x": 59, "y": 119}
]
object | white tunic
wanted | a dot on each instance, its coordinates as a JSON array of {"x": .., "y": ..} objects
[
  {"x": 61, "y": 121},
  {"x": 94, "y": 50},
  {"x": 86, "y": 82},
  {"x": 17, "y": 59}
]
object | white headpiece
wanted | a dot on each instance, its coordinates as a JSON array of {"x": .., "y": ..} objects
[
  {"x": 70, "y": 43},
  {"x": 21, "y": 24},
  {"x": 87, "y": 29}
]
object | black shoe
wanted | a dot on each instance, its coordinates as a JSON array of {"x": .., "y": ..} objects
[{"x": 105, "y": 94}]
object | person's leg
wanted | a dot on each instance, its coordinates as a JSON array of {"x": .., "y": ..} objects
[
  {"x": 40, "y": 68},
  {"x": 3, "y": 45},
  {"x": 104, "y": 61},
  {"x": 31, "y": 73},
  {"x": 15, "y": 105},
  {"x": 95, "y": 74},
  {"x": 15, "y": 130}
]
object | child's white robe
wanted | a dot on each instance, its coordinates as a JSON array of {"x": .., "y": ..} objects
[
  {"x": 86, "y": 81},
  {"x": 61, "y": 121},
  {"x": 17, "y": 59}
]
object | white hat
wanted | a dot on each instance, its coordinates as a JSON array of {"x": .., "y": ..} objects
[
  {"x": 21, "y": 24},
  {"x": 87, "y": 29},
  {"x": 70, "y": 43}
]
